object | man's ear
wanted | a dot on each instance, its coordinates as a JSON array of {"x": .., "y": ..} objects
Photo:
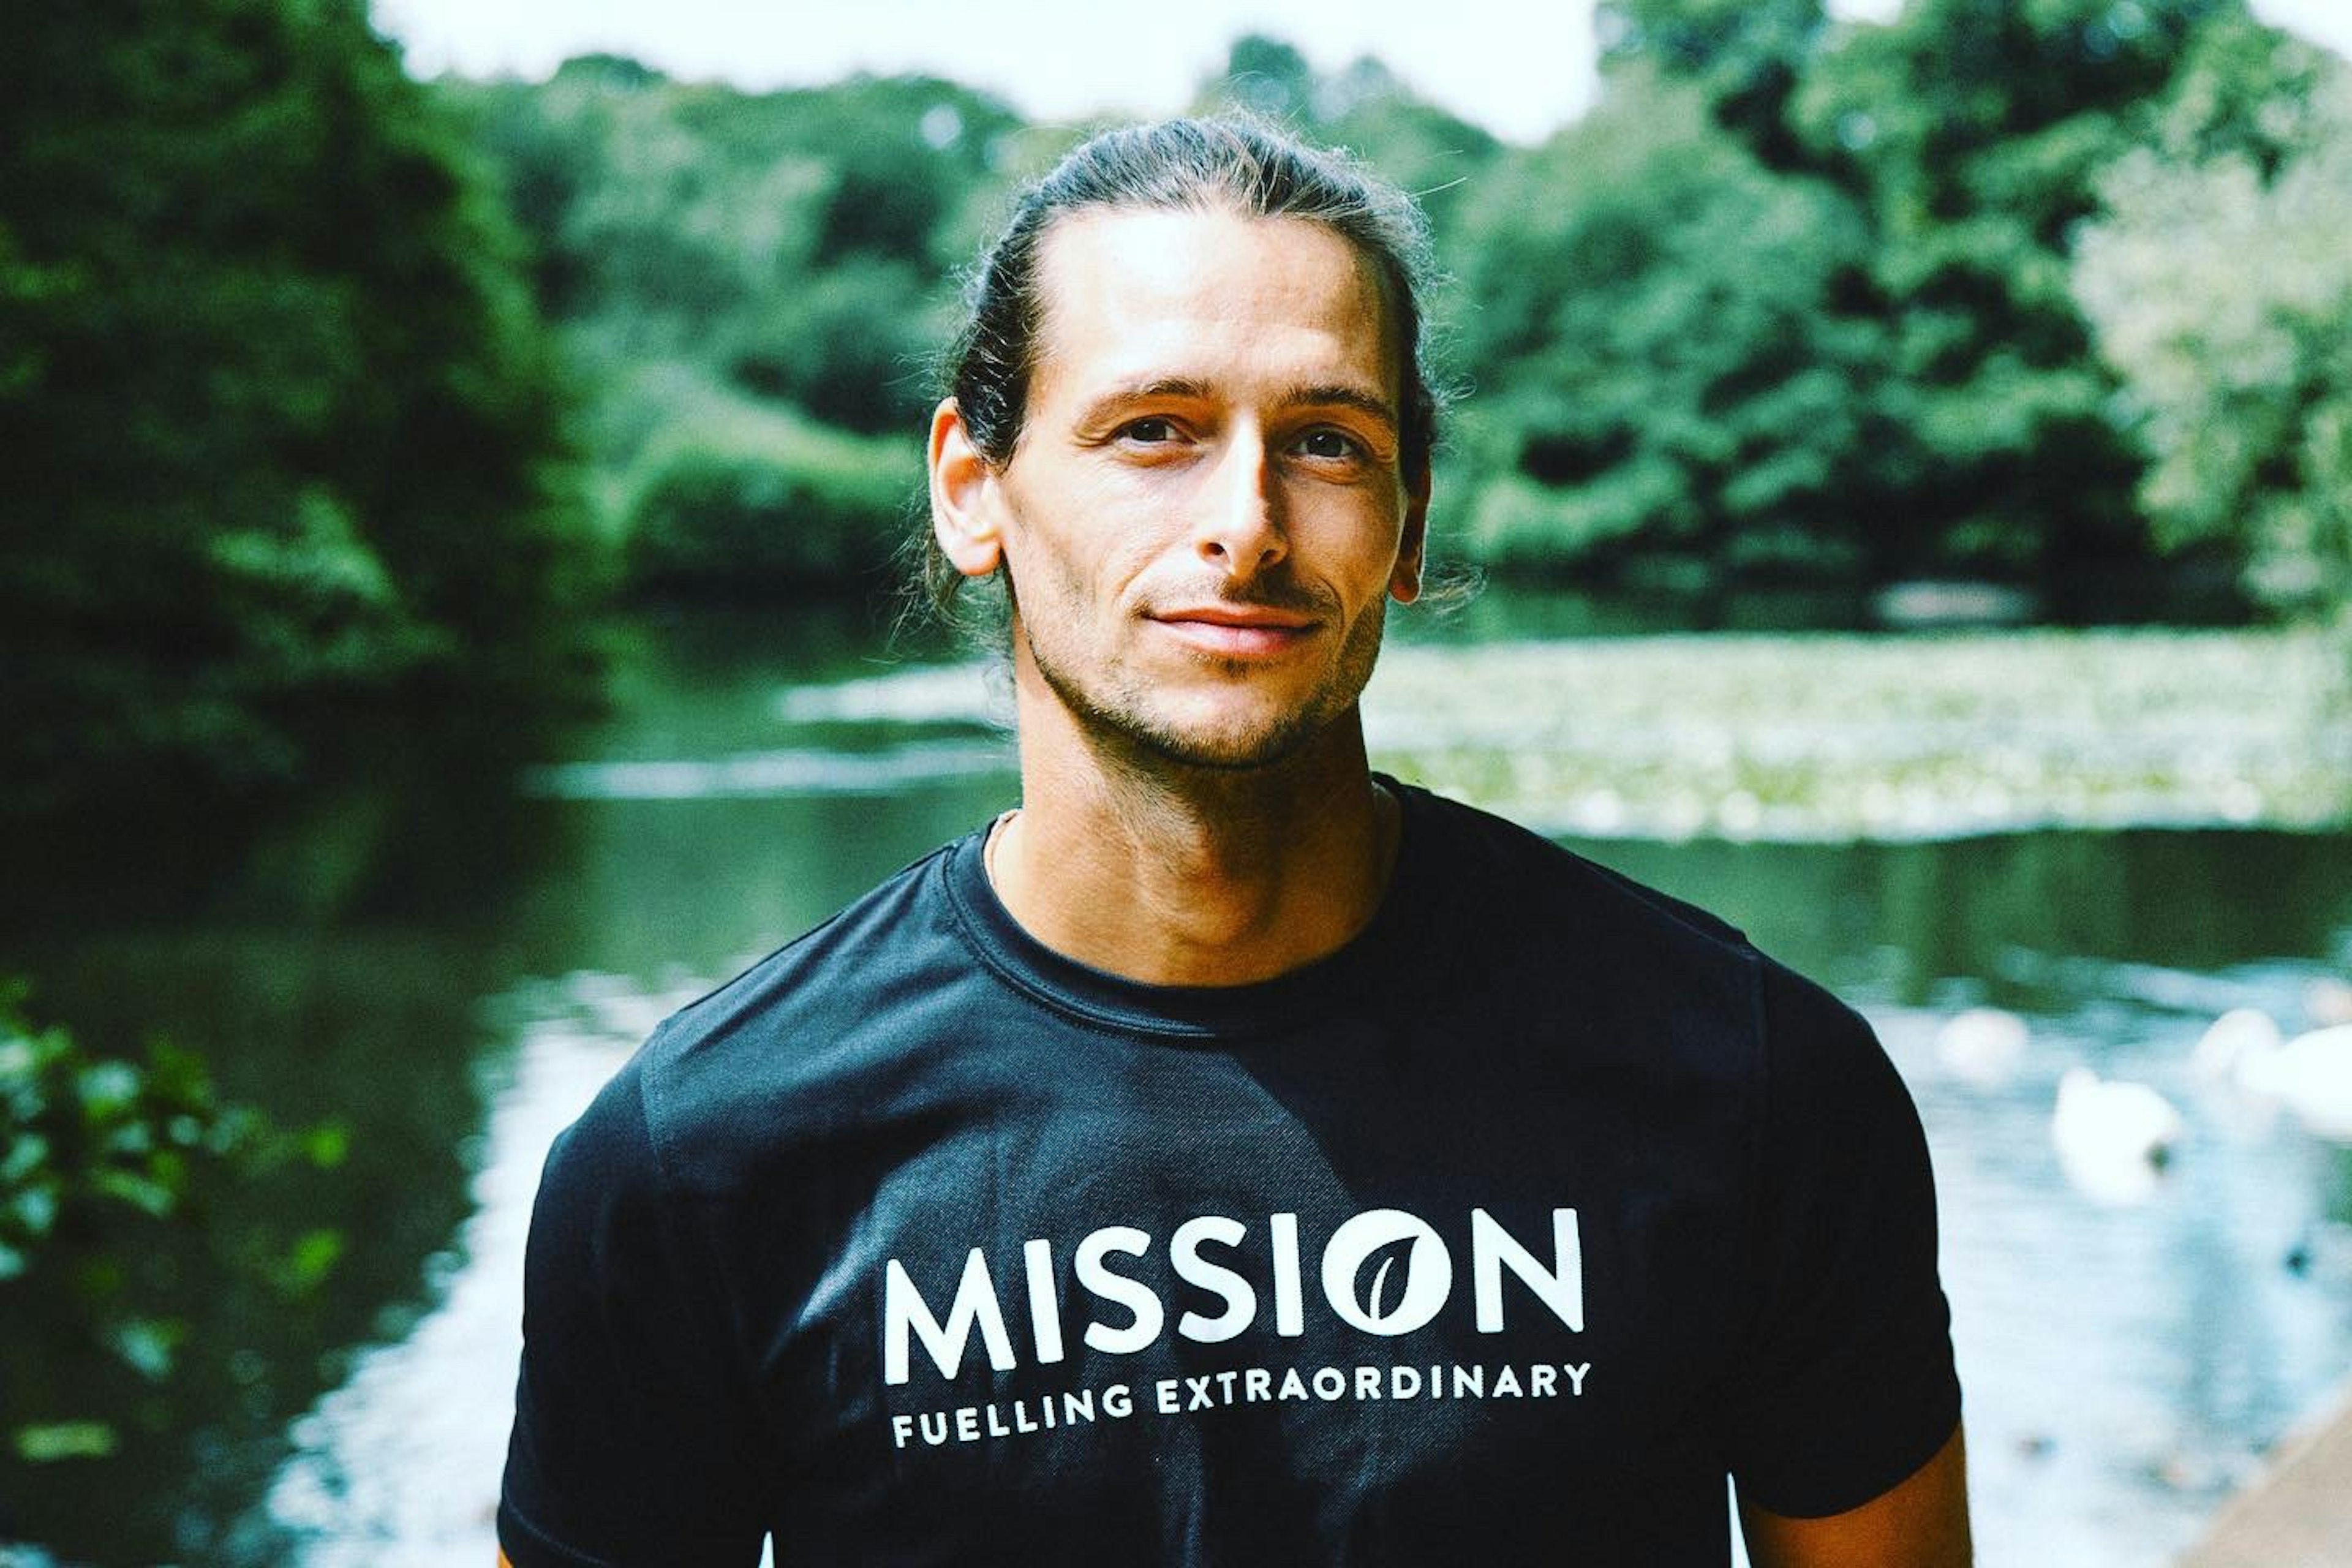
[
  {"x": 1404, "y": 581},
  {"x": 966, "y": 502}
]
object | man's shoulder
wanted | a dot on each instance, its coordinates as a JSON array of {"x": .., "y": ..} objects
[
  {"x": 1533, "y": 911},
  {"x": 800, "y": 1033},
  {"x": 1510, "y": 871},
  {"x": 1532, "y": 917},
  {"x": 903, "y": 924}
]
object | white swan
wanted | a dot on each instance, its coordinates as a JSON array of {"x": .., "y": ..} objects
[
  {"x": 2311, "y": 1074},
  {"x": 2328, "y": 1001},
  {"x": 1981, "y": 1046},
  {"x": 2113, "y": 1137},
  {"x": 2238, "y": 1037}
]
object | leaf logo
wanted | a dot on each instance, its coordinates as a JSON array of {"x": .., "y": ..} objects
[
  {"x": 1378, "y": 1302},
  {"x": 1387, "y": 1272}
]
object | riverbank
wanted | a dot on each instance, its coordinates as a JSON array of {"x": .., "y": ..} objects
[
  {"x": 1813, "y": 737},
  {"x": 2298, "y": 1512},
  {"x": 1818, "y": 737}
]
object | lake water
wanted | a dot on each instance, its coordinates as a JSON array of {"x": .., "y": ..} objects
[{"x": 451, "y": 972}]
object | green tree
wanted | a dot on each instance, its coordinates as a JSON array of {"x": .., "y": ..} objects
[
  {"x": 746, "y": 500},
  {"x": 1267, "y": 75},
  {"x": 1972, "y": 130},
  {"x": 852, "y": 348},
  {"x": 1745, "y": 56},
  {"x": 275, "y": 430},
  {"x": 720, "y": 263},
  {"x": 1671, "y": 369},
  {"x": 2220, "y": 283}
]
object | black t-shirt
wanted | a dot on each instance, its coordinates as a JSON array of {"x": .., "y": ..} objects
[{"x": 1501, "y": 1234}]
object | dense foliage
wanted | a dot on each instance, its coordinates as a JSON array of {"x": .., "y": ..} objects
[
  {"x": 277, "y": 433},
  {"x": 1801, "y": 301},
  {"x": 2046, "y": 294},
  {"x": 735, "y": 273},
  {"x": 2219, "y": 282},
  {"x": 1973, "y": 132},
  {"x": 108, "y": 1164},
  {"x": 1675, "y": 367},
  {"x": 1970, "y": 136}
]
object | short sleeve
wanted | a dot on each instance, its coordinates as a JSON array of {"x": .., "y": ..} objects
[
  {"x": 1847, "y": 1385},
  {"x": 633, "y": 1437}
]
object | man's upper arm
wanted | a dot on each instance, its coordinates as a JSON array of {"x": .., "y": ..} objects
[
  {"x": 1845, "y": 1403},
  {"x": 634, "y": 1441},
  {"x": 1922, "y": 1522}
]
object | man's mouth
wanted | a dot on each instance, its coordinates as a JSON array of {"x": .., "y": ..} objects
[{"x": 1236, "y": 631}]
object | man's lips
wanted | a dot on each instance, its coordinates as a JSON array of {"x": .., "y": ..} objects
[
  {"x": 1239, "y": 615},
  {"x": 1237, "y": 630}
]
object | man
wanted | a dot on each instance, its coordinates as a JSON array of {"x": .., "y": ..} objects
[{"x": 1230, "y": 1155}]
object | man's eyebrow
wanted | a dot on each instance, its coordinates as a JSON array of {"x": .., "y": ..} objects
[
  {"x": 1118, "y": 397},
  {"x": 1340, "y": 396},
  {"x": 1304, "y": 395}
]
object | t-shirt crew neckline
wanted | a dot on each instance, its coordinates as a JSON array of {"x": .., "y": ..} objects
[{"x": 1346, "y": 978}]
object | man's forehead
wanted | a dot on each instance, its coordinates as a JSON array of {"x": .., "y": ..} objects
[{"x": 1117, "y": 288}]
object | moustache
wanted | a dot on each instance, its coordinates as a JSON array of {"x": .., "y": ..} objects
[{"x": 1264, "y": 593}]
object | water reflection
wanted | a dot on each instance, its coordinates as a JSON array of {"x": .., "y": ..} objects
[
  {"x": 350, "y": 991},
  {"x": 397, "y": 1465},
  {"x": 455, "y": 976}
]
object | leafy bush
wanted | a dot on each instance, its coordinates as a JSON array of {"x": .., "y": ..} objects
[
  {"x": 98, "y": 1154},
  {"x": 851, "y": 349},
  {"x": 760, "y": 500}
]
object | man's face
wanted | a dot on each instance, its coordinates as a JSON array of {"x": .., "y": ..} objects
[{"x": 1207, "y": 510}]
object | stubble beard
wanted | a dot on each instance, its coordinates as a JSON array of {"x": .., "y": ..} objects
[{"x": 1121, "y": 716}]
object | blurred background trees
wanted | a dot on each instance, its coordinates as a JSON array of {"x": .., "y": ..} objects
[
  {"x": 324, "y": 392},
  {"x": 280, "y": 437},
  {"x": 2218, "y": 285},
  {"x": 750, "y": 287},
  {"x": 1677, "y": 358}
]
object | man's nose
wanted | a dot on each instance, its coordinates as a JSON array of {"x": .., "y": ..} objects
[{"x": 1240, "y": 530}]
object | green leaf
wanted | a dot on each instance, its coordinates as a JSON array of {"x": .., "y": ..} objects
[
  {"x": 35, "y": 1209},
  {"x": 107, "y": 1089},
  {"x": 310, "y": 1259},
  {"x": 47, "y": 1443},
  {"x": 28, "y": 1153},
  {"x": 17, "y": 1062},
  {"x": 132, "y": 1137},
  {"x": 328, "y": 1144},
  {"x": 140, "y": 1191},
  {"x": 178, "y": 1075}
]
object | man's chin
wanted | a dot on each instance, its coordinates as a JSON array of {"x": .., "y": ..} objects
[
  {"x": 1232, "y": 749},
  {"x": 1219, "y": 730}
]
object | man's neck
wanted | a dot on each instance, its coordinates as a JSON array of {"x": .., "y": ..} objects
[{"x": 1183, "y": 875}]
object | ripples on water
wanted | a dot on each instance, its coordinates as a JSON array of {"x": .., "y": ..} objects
[{"x": 398, "y": 1467}]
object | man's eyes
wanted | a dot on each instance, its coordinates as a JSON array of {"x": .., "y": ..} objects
[
  {"x": 1323, "y": 442},
  {"x": 1149, "y": 432},
  {"x": 1329, "y": 444}
]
